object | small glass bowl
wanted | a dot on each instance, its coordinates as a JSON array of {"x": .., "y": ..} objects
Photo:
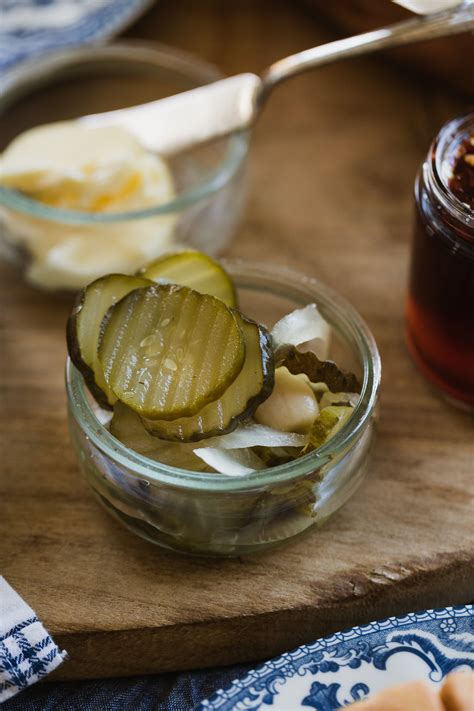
[
  {"x": 213, "y": 514},
  {"x": 208, "y": 180}
]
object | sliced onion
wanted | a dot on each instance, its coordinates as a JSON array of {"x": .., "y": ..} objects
[
  {"x": 238, "y": 462},
  {"x": 250, "y": 434},
  {"x": 302, "y": 326},
  {"x": 104, "y": 416}
]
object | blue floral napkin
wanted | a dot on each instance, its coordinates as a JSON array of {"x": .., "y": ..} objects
[
  {"x": 27, "y": 652},
  {"x": 29, "y": 28}
]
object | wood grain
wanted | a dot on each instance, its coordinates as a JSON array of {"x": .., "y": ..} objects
[{"x": 331, "y": 173}]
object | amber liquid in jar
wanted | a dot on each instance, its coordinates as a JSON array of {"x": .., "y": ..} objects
[{"x": 440, "y": 303}]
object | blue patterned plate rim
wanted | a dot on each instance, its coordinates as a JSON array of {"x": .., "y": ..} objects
[
  {"x": 261, "y": 685},
  {"x": 30, "y": 28}
]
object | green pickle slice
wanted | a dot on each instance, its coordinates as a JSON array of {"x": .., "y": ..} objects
[
  {"x": 127, "y": 427},
  {"x": 167, "y": 351},
  {"x": 195, "y": 270},
  {"x": 329, "y": 421},
  {"x": 325, "y": 371},
  {"x": 83, "y": 329},
  {"x": 251, "y": 387}
]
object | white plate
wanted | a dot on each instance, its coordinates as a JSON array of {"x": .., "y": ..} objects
[
  {"x": 348, "y": 666},
  {"x": 29, "y": 28}
]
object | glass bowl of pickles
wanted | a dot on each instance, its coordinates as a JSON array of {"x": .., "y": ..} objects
[{"x": 220, "y": 408}]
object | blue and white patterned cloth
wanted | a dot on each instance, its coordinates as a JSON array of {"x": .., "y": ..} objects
[
  {"x": 27, "y": 652},
  {"x": 29, "y": 28}
]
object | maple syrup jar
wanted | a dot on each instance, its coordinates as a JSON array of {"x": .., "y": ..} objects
[{"x": 440, "y": 303}]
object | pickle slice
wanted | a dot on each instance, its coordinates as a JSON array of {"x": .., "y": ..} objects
[
  {"x": 127, "y": 427},
  {"x": 83, "y": 328},
  {"x": 329, "y": 421},
  {"x": 195, "y": 270},
  {"x": 251, "y": 387},
  {"x": 167, "y": 351},
  {"x": 317, "y": 370}
]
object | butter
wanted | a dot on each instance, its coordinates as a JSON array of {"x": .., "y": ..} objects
[{"x": 95, "y": 171}]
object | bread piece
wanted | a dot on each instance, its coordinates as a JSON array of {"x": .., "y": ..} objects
[
  {"x": 415, "y": 696},
  {"x": 457, "y": 692}
]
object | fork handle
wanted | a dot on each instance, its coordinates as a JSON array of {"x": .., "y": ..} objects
[{"x": 441, "y": 24}]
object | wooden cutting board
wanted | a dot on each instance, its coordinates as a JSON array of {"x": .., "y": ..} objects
[{"x": 332, "y": 167}]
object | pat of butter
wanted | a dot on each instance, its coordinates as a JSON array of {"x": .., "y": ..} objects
[
  {"x": 61, "y": 152},
  {"x": 95, "y": 171}
]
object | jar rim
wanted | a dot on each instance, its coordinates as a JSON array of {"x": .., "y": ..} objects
[
  {"x": 264, "y": 276},
  {"x": 438, "y": 166},
  {"x": 18, "y": 81}
]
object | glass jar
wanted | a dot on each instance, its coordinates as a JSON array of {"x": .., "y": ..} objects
[
  {"x": 440, "y": 303},
  {"x": 213, "y": 514},
  {"x": 64, "y": 249}
]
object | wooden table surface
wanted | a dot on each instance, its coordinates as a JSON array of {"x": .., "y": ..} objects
[{"x": 331, "y": 173}]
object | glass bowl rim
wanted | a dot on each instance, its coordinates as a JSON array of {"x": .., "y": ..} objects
[
  {"x": 169, "y": 57},
  {"x": 152, "y": 470}
]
